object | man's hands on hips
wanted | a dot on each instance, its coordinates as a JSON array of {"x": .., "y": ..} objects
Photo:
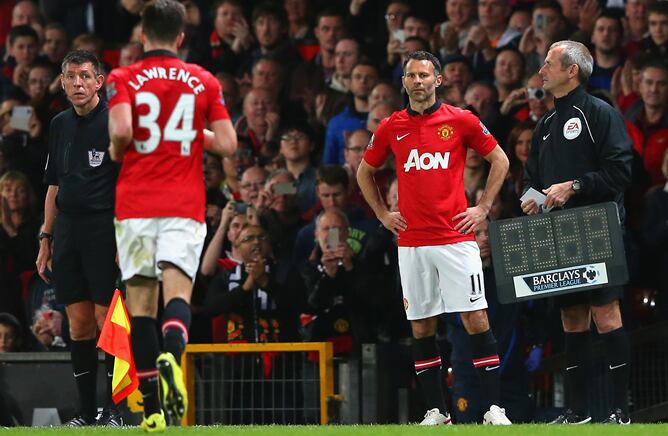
[
  {"x": 393, "y": 221},
  {"x": 471, "y": 218},
  {"x": 558, "y": 194}
]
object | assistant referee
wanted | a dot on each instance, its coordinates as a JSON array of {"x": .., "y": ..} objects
[
  {"x": 581, "y": 155},
  {"x": 79, "y": 220}
]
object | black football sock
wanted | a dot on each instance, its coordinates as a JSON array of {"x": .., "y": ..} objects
[
  {"x": 109, "y": 376},
  {"x": 145, "y": 347},
  {"x": 618, "y": 354},
  {"x": 175, "y": 324},
  {"x": 428, "y": 370},
  {"x": 577, "y": 356},
  {"x": 486, "y": 361},
  {"x": 84, "y": 365}
]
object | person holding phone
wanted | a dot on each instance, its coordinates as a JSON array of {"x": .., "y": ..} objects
[
  {"x": 338, "y": 298},
  {"x": 439, "y": 261}
]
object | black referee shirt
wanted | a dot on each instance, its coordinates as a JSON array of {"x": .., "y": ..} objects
[
  {"x": 582, "y": 138},
  {"x": 79, "y": 163}
]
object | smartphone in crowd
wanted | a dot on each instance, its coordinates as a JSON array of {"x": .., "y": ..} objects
[
  {"x": 333, "y": 238},
  {"x": 240, "y": 208},
  {"x": 284, "y": 188},
  {"x": 20, "y": 119}
]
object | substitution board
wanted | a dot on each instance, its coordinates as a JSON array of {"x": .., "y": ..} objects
[{"x": 554, "y": 253}]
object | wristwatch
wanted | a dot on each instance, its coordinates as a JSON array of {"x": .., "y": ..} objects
[
  {"x": 577, "y": 186},
  {"x": 44, "y": 235}
]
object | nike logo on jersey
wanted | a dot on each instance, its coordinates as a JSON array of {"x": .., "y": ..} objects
[
  {"x": 80, "y": 374},
  {"x": 616, "y": 366},
  {"x": 421, "y": 371},
  {"x": 473, "y": 300},
  {"x": 571, "y": 367},
  {"x": 491, "y": 368},
  {"x": 545, "y": 137},
  {"x": 399, "y": 138}
]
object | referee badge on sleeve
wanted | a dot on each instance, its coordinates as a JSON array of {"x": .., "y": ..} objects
[{"x": 95, "y": 158}]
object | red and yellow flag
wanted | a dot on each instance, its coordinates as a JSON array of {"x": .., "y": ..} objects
[{"x": 115, "y": 340}]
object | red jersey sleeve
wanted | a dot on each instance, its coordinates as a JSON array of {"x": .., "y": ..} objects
[
  {"x": 117, "y": 89},
  {"x": 217, "y": 109},
  {"x": 478, "y": 136},
  {"x": 379, "y": 146}
]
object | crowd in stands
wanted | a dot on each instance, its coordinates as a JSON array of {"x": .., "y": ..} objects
[{"x": 293, "y": 252}]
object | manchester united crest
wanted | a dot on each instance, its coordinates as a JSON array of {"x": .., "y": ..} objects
[{"x": 445, "y": 132}]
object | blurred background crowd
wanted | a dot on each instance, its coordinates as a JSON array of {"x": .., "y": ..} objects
[{"x": 306, "y": 82}]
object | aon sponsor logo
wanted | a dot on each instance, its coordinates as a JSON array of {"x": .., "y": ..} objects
[{"x": 426, "y": 161}]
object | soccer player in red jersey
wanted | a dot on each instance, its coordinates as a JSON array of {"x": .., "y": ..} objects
[
  {"x": 439, "y": 261},
  {"x": 158, "y": 109}
]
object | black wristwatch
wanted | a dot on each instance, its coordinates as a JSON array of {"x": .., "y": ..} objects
[
  {"x": 44, "y": 235},
  {"x": 577, "y": 186}
]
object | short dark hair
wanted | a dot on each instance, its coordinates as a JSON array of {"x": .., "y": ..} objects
[
  {"x": 657, "y": 63},
  {"x": 423, "y": 56},
  {"x": 613, "y": 14},
  {"x": 330, "y": 12},
  {"x": 332, "y": 175},
  {"x": 21, "y": 31},
  {"x": 549, "y": 4},
  {"x": 660, "y": 8},
  {"x": 422, "y": 41},
  {"x": 270, "y": 9},
  {"x": 79, "y": 57},
  {"x": 163, "y": 20}
]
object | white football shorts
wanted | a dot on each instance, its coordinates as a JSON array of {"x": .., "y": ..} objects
[
  {"x": 441, "y": 278},
  {"x": 143, "y": 243}
]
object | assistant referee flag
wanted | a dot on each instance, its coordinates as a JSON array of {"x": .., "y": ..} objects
[{"x": 115, "y": 340}]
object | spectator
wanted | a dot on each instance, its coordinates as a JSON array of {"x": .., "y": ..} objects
[
  {"x": 548, "y": 25},
  {"x": 364, "y": 78},
  {"x": 377, "y": 113},
  {"x": 517, "y": 150},
  {"x": 329, "y": 29},
  {"x": 231, "y": 94},
  {"x": 20, "y": 220},
  {"x": 416, "y": 26},
  {"x": 386, "y": 93},
  {"x": 234, "y": 166},
  {"x": 213, "y": 172},
  {"x": 270, "y": 26},
  {"x": 635, "y": 12},
  {"x": 650, "y": 116},
  {"x": 607, "y": 39},
  {"x": 23, "y": 51},
  {"x": 481, "y": 98},
  {"x": 10, "y": 333},
  {"x": 457, "y": 72},
  {"x": 222, "y": 253},
  {"x": 395, "y": 71},
  {"x": 296, "y": 147},
  {"x": 346, "y": 55},
  {"x": 449, "y": 36},
  {"x": 656, "y": 43},
  {"x": 396, "y": 12},
  {"x": 55, "y": 45},
  {"x": 257, "y": 308},
  {"x": 508, "y": 71},
  {"x": 260, "y": 120},
  {"x": 252, "y": 181},
  {"x": 299, "y": 16},
  {"x": 130, "y": 53},
  {"x": 492, "y": 33},
  {"x": 268, "y": 74},
  {"x": 332, "y": 188},
  {"x": 336, "y": 289},
  {"x": 230, "y": 38},
  {"x": 476, "y": 170}
]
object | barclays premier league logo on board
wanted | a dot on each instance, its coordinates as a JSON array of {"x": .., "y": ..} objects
[{"x": 581, "y": 276}]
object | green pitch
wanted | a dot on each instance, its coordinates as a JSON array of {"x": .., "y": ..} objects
[{"x": 363, "y": 430}]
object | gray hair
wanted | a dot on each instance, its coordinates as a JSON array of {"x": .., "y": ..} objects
[
  {"x": 576, "y": 53},
  {"x": 335, "y": 211},
  {"x": 279, "y": 172}
]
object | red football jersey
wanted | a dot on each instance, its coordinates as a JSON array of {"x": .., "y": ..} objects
[
  {"x": 430, "y": 152},
  {"x": 161, "y": 174}
]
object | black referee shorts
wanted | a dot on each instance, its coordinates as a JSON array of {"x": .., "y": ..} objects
[
  {"x": 596, "y": 297},
  {"x": 84, "y": 258}
]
